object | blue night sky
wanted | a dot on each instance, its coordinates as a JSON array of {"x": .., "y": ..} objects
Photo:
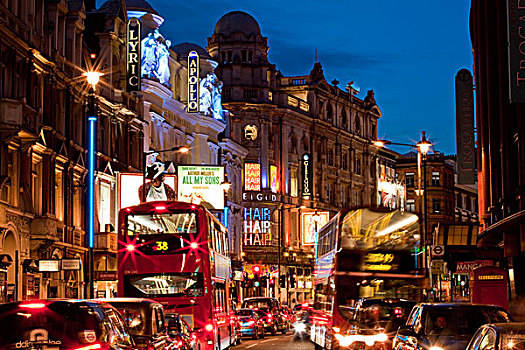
[{"x": 407, "y": 51}]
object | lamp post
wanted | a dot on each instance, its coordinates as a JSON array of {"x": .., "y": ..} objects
[
  {"x": 145, "y": 154},
  {"x": 423, "y": 146},
  {"x": 92, "y": 78}
]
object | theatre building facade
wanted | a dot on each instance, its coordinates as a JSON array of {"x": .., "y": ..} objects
[{"x": 309, "y": 154}]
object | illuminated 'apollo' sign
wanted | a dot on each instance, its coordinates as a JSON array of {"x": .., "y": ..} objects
[
  {"x": 193, "y": 82},
  {"x": 133, "y": 59}
]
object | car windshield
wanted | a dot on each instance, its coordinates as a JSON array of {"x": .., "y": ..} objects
[
  {"x": 387, "y": 315},
  {"x": 453, "y": 321},
  {"x": 57, "y": 323},
  {"x": 247, "y": 313},
  {"x": 165, "y": 285},
  {"x": 133, "y": 318},
  {"x": 257, "y": 303}
]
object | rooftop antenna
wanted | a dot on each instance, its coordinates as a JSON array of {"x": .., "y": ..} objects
[{"x": 316, "y": 55}]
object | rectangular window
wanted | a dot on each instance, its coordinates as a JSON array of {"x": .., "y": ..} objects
[
  {"x": 77, "y": 204},
  {"x": 59, "y": 194},
  {"x": 436, "y": 205},
  {"x": 105, "y": 204},
  {"x": 435, "y": 178},
  {"x": 293, "y": 182},
  {"x": 411, "y": 205},
  {"x": 36, "y": 186},
  {"x": 344, "y": 162},
  {"x": 409, "y": 179}
]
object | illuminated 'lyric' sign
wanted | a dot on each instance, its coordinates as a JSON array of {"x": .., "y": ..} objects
[
  {"x": 257, "y": 226},
  {"x": 134, "y": 57},
  {"x": 252, "y": 176},
  {"x": 193, "y": 82}
]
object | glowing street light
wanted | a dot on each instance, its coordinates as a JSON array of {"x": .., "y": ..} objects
[{"x": 92, "y": 78}]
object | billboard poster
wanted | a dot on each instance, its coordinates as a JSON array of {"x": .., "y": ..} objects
[
  {"x": 252, "y": 176},
  {"x": 274, "y": 181},
  {"x": 133, "y": 59},
  {"x": 201, "y": 184},
  {"x": 310, "y": 225},
  {"x": 129, "y": 184},
  {"x": 193, "y": 82}
]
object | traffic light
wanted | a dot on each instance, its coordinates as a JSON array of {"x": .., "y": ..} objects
[
  {"x": 256, "y": 270},
  {"x": 272, "y": 281},
  {"x": 282, "y": 281}
]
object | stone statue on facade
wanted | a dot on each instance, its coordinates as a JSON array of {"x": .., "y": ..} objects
[
  {"x": 210, "y": 101},
  {"x": 155, "y": 57}
]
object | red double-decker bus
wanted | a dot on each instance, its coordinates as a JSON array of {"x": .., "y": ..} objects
[
  {"x": 364, "y": 255},
  {"x": 177, "y": 253}
]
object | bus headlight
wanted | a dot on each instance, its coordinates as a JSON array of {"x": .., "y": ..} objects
[{"x": 436, "y": 348}]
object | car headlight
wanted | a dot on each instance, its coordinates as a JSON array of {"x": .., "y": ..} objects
[{"x": 436, "y": 348}]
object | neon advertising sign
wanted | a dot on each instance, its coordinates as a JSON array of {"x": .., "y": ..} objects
[
  {"x": 252, "y": 176},
  {"x": 193, "y": 82},
  {"x": 306, "y": 170},
  {"x": 133, "y": 59},
  {"x": 257, "y": 226}
]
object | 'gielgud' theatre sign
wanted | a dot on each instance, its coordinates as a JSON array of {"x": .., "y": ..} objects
[{"x": 257, "y": 226}]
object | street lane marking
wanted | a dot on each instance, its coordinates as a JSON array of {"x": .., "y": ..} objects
[{"x": 251, "y": 346}]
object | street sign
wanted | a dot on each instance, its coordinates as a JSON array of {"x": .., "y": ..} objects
[
  {"x": 438, "y": 267},
  {"x": 437, "y": 250}
]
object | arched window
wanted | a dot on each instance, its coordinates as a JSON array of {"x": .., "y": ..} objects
[
  {"x": 357, "y": 123},
  {"x": 344, "y": 119},
  {"x": 329, "y": 112}
]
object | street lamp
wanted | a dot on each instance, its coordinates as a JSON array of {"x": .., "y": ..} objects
[
  {"x": 423, "y": 147},
  {"x": 145, "y": 154},
  {"x": 92, "y": 78}
]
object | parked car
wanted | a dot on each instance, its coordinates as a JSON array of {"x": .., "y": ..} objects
[
  {"x": 374, "y": 322},
  {"x": 146, "y": 321},
  {"x": 271, "y": 307},
  {"x": 64, "y": 324},
  {"x": 180, "y": 332},
  {"x": 499, "y": 336},
  {"x": 250, "y": 322},
  {"x": 445, "y": 326}
]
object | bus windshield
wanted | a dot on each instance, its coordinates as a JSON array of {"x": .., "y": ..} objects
[
  {"x": 165, "y": 285},
  {"x": 158, "y": 224}
]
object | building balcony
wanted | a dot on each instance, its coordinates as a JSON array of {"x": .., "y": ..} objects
[{"x": 17, "y": 115}]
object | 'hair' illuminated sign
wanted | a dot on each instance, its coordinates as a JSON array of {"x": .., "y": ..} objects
[
  {"x": 252, "y": 176},
  {"x": 257, "y": 226},
  {"x": 193, "y": 82},
  {"x": 133, "y": 59}
]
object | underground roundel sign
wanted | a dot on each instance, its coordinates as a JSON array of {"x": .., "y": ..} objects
[{"x": 438, "y": 250}]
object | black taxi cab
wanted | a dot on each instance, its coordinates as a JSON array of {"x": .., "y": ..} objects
[{"x": 62, "y": 324}]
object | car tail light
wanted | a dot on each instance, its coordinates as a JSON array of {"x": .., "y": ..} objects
[
  {"x": 160, "y": 207},
  {"x": 269, "y": 318},
  {"x": 90, "y": 347},
  {"x": 33, "y": 305},
  {"x": 209, "y": 327},
  {"x": 178, "y": 344}
]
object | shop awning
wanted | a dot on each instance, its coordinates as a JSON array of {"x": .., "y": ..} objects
[
  {"x": 493, "y": 234},
  {"x": 457, "y": 234}
]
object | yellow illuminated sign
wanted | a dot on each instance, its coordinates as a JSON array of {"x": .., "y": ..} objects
[
  {"x": 490, "y": 277},
  {"x": 378, "y": 261}
]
